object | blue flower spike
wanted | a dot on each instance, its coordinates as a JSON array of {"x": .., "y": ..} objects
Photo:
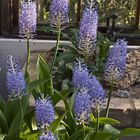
[
  {"x": 44, "y": 112},
  {"x": 82, "y": 106},
  {"x": 15, "y": 78},
  {"x": 59, "y": 13},
  {"x": 88, "y": 31},
  {"x": 80, "y": 76},
  {"x": 27, "y": 19},
  {"x": 115, "y": 65}
]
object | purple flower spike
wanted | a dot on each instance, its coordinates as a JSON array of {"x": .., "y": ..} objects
[
  {"x": 59, "y": 13},
  {"x": 44, "y": 112},
  {"x": 80, "y": 75},
  {"x": 47, "y": 135},
  {"x": 15, "y": 78},
  {"x": 88, "y": 31},
  {"x": 27, "y": 19},
  {"x": 115, "y": 65},
  {"x": 82, "y": 106},
  {"x": 97, "y": 94}
]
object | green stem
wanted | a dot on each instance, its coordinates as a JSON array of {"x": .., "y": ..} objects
[
  {"x": 56, "y": 48},
  {"x": 83, "y": 129},
  {"x": 109, "y": 98},
  {"x": 21, "y": 113},
  {"x": 28, "y": 58},
  {"x": 98, "y": 115}
]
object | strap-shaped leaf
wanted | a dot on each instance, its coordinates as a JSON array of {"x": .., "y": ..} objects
[
  {"x": 3, "y": 123},
  {"x": 99, "y": 136},
  {"x": 2, "y": 103},
  {"x": 54, "y": 125},
  {"x": 130, "y": 132},
  {"x": 43, "y": 71},
  {"x": 33, "y": 85},
  {"x": 13, "y": 133}
]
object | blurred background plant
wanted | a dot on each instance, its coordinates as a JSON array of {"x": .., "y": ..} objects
[{"x": 125, "y": 11}]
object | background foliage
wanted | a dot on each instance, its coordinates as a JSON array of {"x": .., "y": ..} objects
[{"x": 125, "y": 10}]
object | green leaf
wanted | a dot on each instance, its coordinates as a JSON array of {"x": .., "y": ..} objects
[
  {"x": 29, "y": 114},
  {"x": 99, "y": 136},
  {"x": 3, "y": 123},
  {"x": 72, "y": 101},
  {"x": 130, "y": 132},
  {"x": 2, "y": 136},
  {"x": 92, "y": 116},
  {"x": 11, "y": 109},
  {"x": 14, "y": 129},
  {"x": 58, "y": 96},
  {"x": 110, "y": 129},
  {"x": 35, "y": 84},
  {"x": 13, "y": 132},
  {"x": 2, "y": 103},
  {"x": 76, "y": 135},
  {"x": 67, "y": 57},
  {"x": 62, "y": 136},
  {"x": 43, "y": 71},
  {"x": 54, "y": 125},
  {"x": 33, "y": 135},
  {"x": 70, "y": 121},
  {"x": 103, "y": 120}
]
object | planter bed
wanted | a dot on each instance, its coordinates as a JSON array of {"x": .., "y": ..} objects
[{"x": 125, "y": 110}]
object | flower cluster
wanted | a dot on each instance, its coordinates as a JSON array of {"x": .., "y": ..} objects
[
  {"x": 59, "y": 13},
  {"x": 90, "y": 92},
  {"x": 115, "y": 65},
  {"x": 80, "y": 75},
  {"x": 15, "y": 78},
  {"x": 44, "y": 112},
  {"x": 27, "y": 19},
  {"x": 82, "y": 107},
  {"x": 88, "y": 30},
  {"x": 47, "y": 135},
  {"x": 96, "y": 93}
]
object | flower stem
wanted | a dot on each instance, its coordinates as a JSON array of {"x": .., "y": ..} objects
[
  {"x": 109, "y": 98},
  {"x": 56, "y": 48},
  {"x": 21, "y": 112},
  {"x": 97, "y": 125},
  {"x": 83, "y": 129}
]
